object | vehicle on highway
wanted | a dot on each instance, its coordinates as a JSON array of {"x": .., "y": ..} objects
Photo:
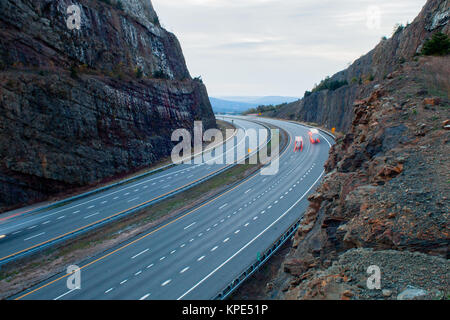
[
  {"x": 298, "y": 144},
  {"x": 2, "y": 236},
  {"x": 314, "y": 136}
]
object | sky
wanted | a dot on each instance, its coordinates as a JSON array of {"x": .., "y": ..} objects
[{"x": 277, "y": 47}]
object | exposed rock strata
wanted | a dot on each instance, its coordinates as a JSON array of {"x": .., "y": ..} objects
[{"x": 79, "y": 106}]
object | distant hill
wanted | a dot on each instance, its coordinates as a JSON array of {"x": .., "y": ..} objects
[
  {"x": 226, "y": 106},
  {"x": 268, "y": 100},
  {"x": 240, "y": 104}
]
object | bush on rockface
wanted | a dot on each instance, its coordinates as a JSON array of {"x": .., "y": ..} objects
[
  {"x": 439, "y": 44},
  {"x": 329, "y": 84}
]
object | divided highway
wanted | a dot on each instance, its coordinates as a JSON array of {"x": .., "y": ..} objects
[
  {"x": 198, "y": 254},
  {"x": 32, "y": 231}
]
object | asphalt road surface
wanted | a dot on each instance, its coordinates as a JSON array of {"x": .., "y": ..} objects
[
  {"x": 198, "y": 254},
  {"x": 28, "y": 232}
]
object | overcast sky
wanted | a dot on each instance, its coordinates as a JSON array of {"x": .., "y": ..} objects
[{"x": 277, "y": 47}]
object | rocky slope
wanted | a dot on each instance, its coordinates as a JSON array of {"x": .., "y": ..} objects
[
  {"x": 334, "y": 108},
  {"x": 385, "y": 198},
  {"x": 79, "y": 106}
]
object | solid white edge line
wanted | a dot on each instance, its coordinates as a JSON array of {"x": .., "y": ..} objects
[{"x": 251, "y": 241}]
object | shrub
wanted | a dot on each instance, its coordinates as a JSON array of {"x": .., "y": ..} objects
[
  {"x": 119, "y": 5},
  {"x": 138, "y": 72},
  {"x": 307, "y": 93},
  {"x": 398, "y": 28},
  {"x": 73, "y": 72},
  {"x": 439, "y": 44},
  {"x": 329, "y": 84},
  {"x": 160, "y": 75}
]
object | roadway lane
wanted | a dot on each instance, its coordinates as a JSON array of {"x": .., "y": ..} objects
[
  {"x": 33, "y": 230},
  {"x": 200, "y": 253}
]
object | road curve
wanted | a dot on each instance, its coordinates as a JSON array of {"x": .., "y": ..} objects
[
  {"x": 33, "y": 231},
  {"x": 201, "y": 252}
]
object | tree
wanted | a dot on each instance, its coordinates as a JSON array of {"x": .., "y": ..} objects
[{"x": 439, "y": 44}]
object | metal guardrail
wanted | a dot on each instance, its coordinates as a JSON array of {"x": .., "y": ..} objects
[
  {"x": 128, "y": 212},
  {"x": 253, "y": 267}
]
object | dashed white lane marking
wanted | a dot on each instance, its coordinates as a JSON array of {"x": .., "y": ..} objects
[
  {"x": 201, "y": 258},
  {"x": 189, "y": 225},
  {"x": 237, "y": 231},
  {"x": 103, "y": 202},
  {"x": 184, "y": 270},
  {"x": 115, "y": 198},
  {"x": 150, "y": 265},
  {"x": 215, "y": 225},
  {"x": 281, "y": 197},
  {"x": 46, "y": 222},
  {"x": 32, "y": 227},
  {"x": 255, "y": 218},
  {"x": 138, "y": 273},
  {"x": 162, "y": 258},
  {"x": 145, "y": 297},
  {"x": 165, "y": 187},
  {"x": 90, "y": 207},
  {"x": 223, "y": 206},
  {"x": 214, "y": 249},
  {"x": 173, "y": 251},
  {"x": 139, "y": 254},
  {"x": 57, "y": 298},
  {"x": 134, "y": 199},
  {"x": 124, "y": 281},
  {"x": 262, "y": 212},
  {"x": 191, "y": 240},
  {"x": 226, "y": 240},
  {"x": 222, "y": 220},
  {"x": 91, "y": 215},
  {"x": 165, "y": 283},
  {"x": 246, "y": 225},
  {"x": 200, "y": 234},
  {"x": 251, "y": 241},
  {"x": 109, "y": 290},
  {"x": 19, "y": 231},
  {"x": 269, "y": 207},
  {"x": 183, "y": 245},
  {"x": 75, "y": 212},
  {"x": 276, "y": 201},
  {"x": 136, "y": 190},
  {"x": 248, "y": 191},
  {"x": 40, "y": 234},
  {"x": 207, "y": 230}
]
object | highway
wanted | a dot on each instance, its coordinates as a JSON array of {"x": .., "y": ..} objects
[
  {"x": 198, "y": 254},
  {"x": 32, "y": 231}
]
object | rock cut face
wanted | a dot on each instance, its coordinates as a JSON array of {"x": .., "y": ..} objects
[{"x": 81, "y": 106}]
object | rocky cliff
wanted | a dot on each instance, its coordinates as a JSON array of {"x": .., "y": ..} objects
[
  {"x": 384, "y": 200},
  {"x": 81, "y": 105},
  {"x": 334, "y": 108}
]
